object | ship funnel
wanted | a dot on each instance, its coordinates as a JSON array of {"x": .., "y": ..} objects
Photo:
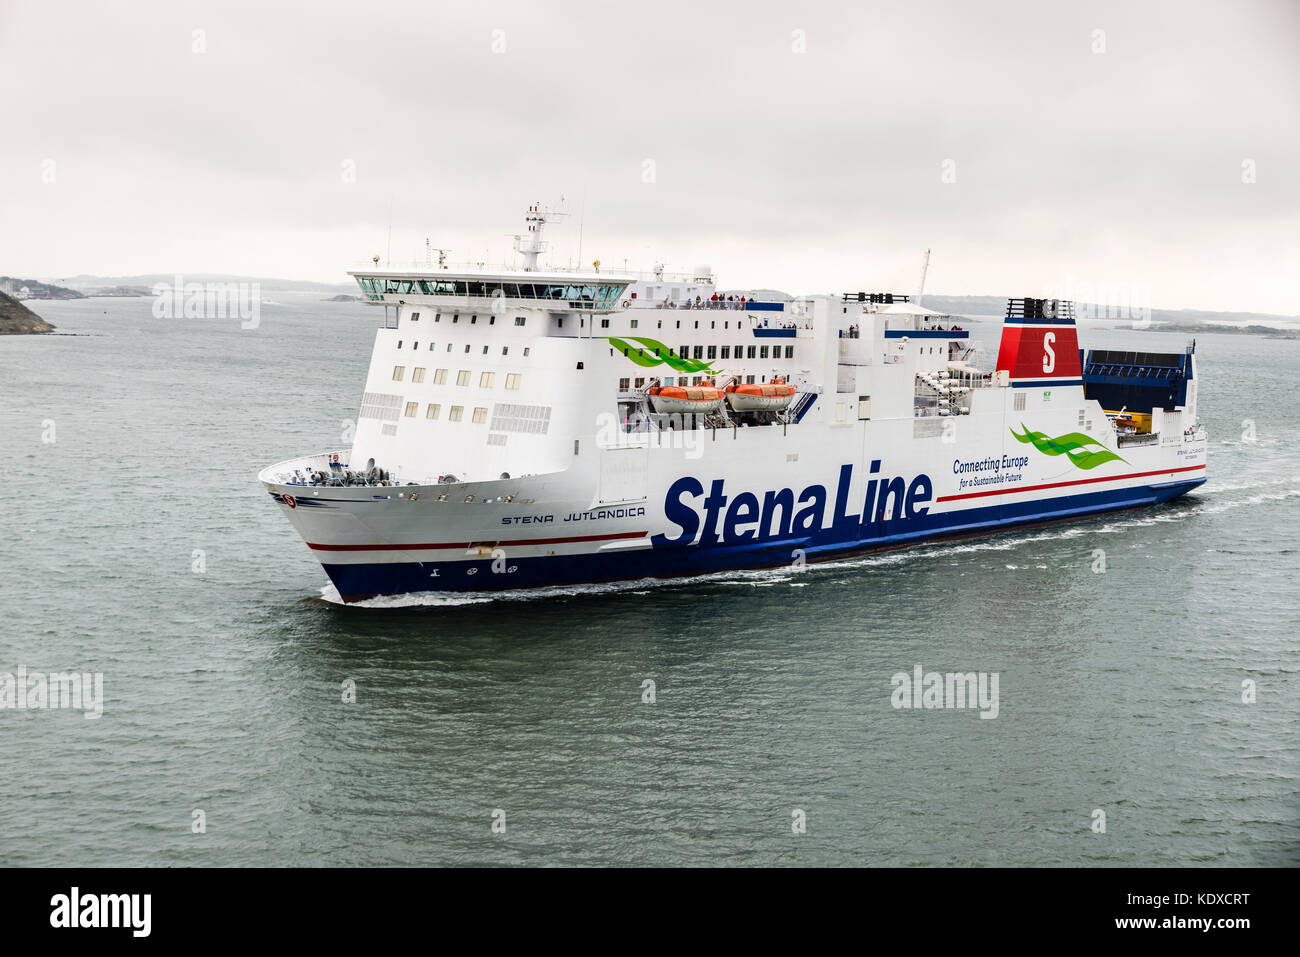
[{"x": 1040, "y": 345}]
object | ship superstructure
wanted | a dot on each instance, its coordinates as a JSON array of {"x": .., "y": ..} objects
[{"x": 524, "y": 427}]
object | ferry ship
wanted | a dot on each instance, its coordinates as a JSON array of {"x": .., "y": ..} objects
[{"x": 525, "y": 427}]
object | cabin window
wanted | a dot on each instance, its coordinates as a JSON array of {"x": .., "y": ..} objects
[
  {"x": 1020, "y": 402},
  {"x": 431, "y": 346},
  {"x": 789, "y": 352},
  {"x": 726, "y": 352},
  {"x": 762, "y": 352},
  {"x": 399, "y": 372},
  {"x": 455, "y": 317},
  {"x": 669, "y": 380},
  {"x": 633, "y": 323},
  {"x": 473, "y": 319},
  {"x": 713, "y": 325},
  {"x": 456, "y": 414},
  {"x": 520, "y": 320},
  {"x": 684, "y": 351},
  {"x": 449, "y": 347},
  {"x": 415, "y": 317},
  {"x": 559, "y": 322},
  {"x": 486, "y": 380},
  {"x": 640, "y": 383},
  {"x": 467, "y": 347},
  {"x": 480, "y": 415},
  {"x": 492, "y": 320},
  {"x": 512, "y": 381},
  {"x": 604, "y": 323},
  {"x": 411, "y": 409},
  {"x": 713, "y": 352},
  {"x": 432, "y": 411},
  {"x": 439, "y": 376},
  {"x": 462, "y": 377},
  {"x": 753, "y": 350},
  {"x": 418, "y": 374},
  {"x": 697, "y": 323},
  {"x": 526, "y": 351},
  {"x": 505, "y": 350},
  {"x": 624, "y": 385},
  {"x": 415, "y": 345},
  {"x": 679, "y": 323},
  {"x": 399, "y": 343},
  {"x": 749, "y": 380},
  {"x": 485, "y": 349},
  {"x": 437, "y": 317}
]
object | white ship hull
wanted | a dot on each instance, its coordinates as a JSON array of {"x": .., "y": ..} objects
[{"x": 519, "y": 460}]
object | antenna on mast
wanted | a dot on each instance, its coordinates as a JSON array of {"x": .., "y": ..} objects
[
  {"x": 925, "y": 266},
  {"x": 531, "y": 245}
]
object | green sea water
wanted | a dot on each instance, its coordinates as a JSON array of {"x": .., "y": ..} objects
[{"x": 138, "y": 544}]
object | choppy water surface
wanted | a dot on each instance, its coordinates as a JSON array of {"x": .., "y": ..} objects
[{"x": 1119, "y": 691}]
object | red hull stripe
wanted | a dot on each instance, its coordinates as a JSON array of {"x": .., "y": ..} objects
[
  {"x": 512, "y": 542},
  {"x": 1087, "y": 481}
]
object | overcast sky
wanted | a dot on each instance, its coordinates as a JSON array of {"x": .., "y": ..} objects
[{"x": 801, "y": 146}]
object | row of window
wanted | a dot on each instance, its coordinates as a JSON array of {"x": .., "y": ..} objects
[
  {"x": 486, "y": 380},
  {"x": 473, "y": 319},
  {"x": 455, "y": 414},
  {"x": 505, "y": 350},
  {"x": 598, "y": 295},
  {"x": 754, "y": 352}
]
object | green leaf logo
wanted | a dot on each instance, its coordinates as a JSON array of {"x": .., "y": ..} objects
[
  {"x": 638, "y": 350},
  {"x": 1074, "y": 445}
]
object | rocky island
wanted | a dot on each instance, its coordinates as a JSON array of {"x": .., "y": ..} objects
[{"x": 17, "y": 319}]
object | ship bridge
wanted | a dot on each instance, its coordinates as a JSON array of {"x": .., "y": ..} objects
[{"x": 482, "y": 289}]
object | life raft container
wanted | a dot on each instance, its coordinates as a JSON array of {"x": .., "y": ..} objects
[
  {"x": 769, "y": 397},
  {"x": 689, "y": 399}
]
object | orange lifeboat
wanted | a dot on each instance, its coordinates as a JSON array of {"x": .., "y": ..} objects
[
  {"x": 685, "y": 399},
  {"x": 769, "y": 397}
]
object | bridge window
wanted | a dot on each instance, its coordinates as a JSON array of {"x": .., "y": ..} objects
[{"x": 399, "y": 372}]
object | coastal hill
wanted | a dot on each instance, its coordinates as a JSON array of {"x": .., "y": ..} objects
[{"x": 17, "y": 319}]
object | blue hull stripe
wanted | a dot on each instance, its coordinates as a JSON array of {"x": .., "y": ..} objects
[{"x": 358, "y": 581}]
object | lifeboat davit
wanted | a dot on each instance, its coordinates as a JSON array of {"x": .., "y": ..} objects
[
  {"x": 769, "y": 397},
  {"x": 685, "y": 399}
]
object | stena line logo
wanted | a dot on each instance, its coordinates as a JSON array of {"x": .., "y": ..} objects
[
  {"x": 102, "y": 910},
  {"x": 734, "y": 519}
]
